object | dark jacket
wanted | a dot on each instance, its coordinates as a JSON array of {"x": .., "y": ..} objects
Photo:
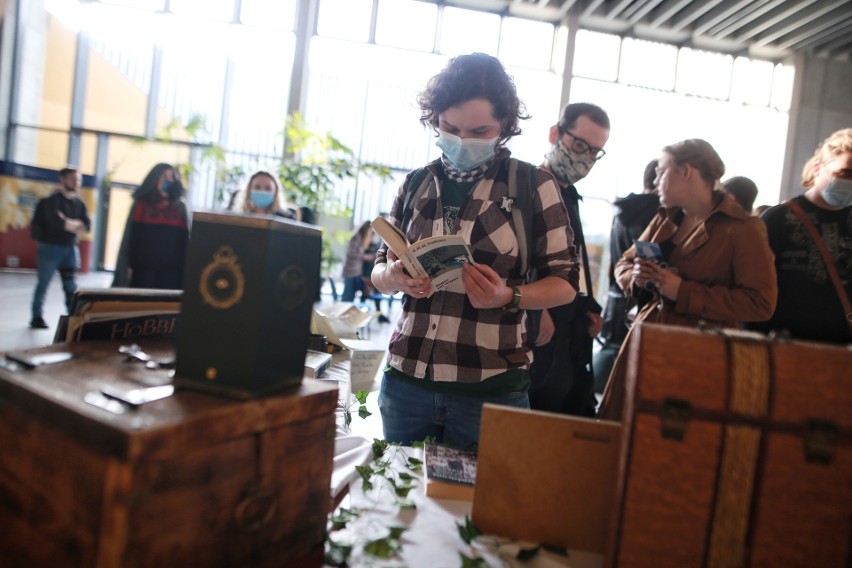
[
  {"x": 630, "y": 217},
  {"x": 48, "y": 224}
]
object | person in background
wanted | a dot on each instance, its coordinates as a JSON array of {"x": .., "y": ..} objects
[
  {"x": 357, "y": 253},
  {"x": 758, "y": 211},
  {"x": 561, "y": 373},
  {"x": 743, "y": 190},
  {"x": 263, "y": 196},
  {"x": 631, "y": 215},
  {"x": 153, "y": 249},
  {"x": 58, "y": 221},
  {"x": 716, "y": 265},
  {"x": 453, "y": 351},
  {"x": 810, "y": 299}
]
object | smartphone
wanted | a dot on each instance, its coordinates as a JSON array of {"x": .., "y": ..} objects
[
  {"x": 33, "y": 360},
  {"x": 648, "y": 250}
]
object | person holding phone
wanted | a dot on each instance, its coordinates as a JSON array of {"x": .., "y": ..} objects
[{"x": 715, "y": 263}]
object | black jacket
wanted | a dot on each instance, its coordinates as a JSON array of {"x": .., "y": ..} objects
[
  {"x": 48, "y": 226},
  {"x": 631, "y": 215}
]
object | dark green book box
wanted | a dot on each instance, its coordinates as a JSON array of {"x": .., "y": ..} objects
[{"x": 249, "y": 286}]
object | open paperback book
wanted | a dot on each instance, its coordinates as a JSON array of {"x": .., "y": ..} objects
[{"x": 440, "y": 257}]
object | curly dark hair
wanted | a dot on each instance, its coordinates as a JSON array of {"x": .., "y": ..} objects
[
  {"x": 474, "y": 76},
  {"x": 148, "y": 188}
]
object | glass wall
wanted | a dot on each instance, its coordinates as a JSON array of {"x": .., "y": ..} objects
[{"x": 165, "y": 80}]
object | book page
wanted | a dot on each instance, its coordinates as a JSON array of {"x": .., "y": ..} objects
[
  {"x": 441, "y": 258},
  {"x": 391, "y": 234}
]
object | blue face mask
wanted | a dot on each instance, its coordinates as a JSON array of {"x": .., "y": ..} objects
[
  {"x": 262, "y": 199},
  {"x": 838, "y": 193},
  {"x": 467, "y": 153},
  {"x": 164, "y": 186}
]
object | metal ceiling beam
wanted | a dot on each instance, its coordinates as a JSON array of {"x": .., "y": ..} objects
[
  {"x": 816, "y": 33},
  {"x": 566, "y": 6},
  {"x": 694, "y": 11},
  {"x": 725, "y": 29},
  {"x": 719, "y": 15},
  {"x": 643, "y": 11},
  {"x": 593, "y": 5},
  {"x": 769, "y": 38},
  {"x": 774, "y": 20},
  {"x": 667, "y": 11},
  {"x": 617, "y": 9}
]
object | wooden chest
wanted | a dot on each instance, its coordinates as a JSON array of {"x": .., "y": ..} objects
[
  {"x": 189, "y": 480},
  {"x": 736, "y": 452}
]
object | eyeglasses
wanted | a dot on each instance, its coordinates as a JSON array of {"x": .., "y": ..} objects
[{"x": 582, "y": 147}]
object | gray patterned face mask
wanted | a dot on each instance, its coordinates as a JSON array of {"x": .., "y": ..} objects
[{"x": 568, "y": 166}]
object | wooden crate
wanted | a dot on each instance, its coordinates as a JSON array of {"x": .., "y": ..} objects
[
  {"x": 190, "y": 480},
  {"x": 736, "y": 452}
]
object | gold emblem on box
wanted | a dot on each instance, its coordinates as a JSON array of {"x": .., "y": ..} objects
[{"x": 222, "y": 282}]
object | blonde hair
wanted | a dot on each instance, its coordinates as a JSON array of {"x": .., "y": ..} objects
[{"x": 838, "y": 143}]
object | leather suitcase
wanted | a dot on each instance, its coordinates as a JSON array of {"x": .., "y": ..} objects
[
  {"x": 189, "y": 480},
  {"x": 735, "y": 452}
]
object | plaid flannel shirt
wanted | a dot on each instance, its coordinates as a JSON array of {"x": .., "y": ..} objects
[{"x": 443, "y": 337}]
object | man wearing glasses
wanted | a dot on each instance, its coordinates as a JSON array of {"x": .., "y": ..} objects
[{"x": 561, "y": 373}]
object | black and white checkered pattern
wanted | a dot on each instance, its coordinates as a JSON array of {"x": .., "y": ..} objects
[{"x": 444, "y": 337}]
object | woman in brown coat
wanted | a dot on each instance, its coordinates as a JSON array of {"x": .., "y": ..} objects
[{"x": 716, "y": 264}]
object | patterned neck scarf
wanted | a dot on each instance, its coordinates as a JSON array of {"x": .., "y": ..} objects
[{"x": 456, "y": 174}]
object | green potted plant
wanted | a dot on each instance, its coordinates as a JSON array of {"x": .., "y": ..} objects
[{"x": 310, "y": 174}]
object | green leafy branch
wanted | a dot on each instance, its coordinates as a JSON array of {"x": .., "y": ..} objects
[{"x": 361, "y": 401}]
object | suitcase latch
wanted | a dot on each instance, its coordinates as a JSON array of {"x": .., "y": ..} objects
[
  {"x": 821, "y": 440},
  {"x": 675, "y": 418}
]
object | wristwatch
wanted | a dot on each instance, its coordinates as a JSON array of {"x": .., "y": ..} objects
[{"x": 515, "y": 302}]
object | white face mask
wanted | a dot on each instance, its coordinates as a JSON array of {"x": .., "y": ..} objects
[
  {"x": 467, "y": 153},
  {"x": 838, "y": 193}
]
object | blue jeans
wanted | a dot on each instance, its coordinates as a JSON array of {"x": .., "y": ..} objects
[
  {"x": 351, "y": 285},
  {"x": 65, "y": 259},
  {"x": 411, "y": 413}
]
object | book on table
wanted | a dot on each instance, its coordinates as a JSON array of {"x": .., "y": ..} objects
[
  {"x": 450, "y": 472},
  {"x": 440, "y": 257},
  {"x": 120, "y": 313}
]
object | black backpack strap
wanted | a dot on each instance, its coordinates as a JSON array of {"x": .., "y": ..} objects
[
  {"x": 418, "y": 182},
  {"x": 522, "y": 183}
]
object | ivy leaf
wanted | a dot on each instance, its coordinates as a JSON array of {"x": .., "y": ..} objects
[
  {"x": 468, "y": 562},
  {"x": 379, "y": 448},
  {"x": 406, "y": 504},
  {"x": 413, "y": 463},
  {"x": 406, "y": 476},
  {"x": 363, "y": 412},
  {"x": 366, "y": 472},
  {"x": 361, "y": 396},
  {"x": 467, "y": 531},
  {"x": 342, "y": 518},
  {"x": 337, "y": 553},
  {"x": 382, "y": 547},
  {"x": 396, "y": 532},
  {"x": 402, "y": 491}
]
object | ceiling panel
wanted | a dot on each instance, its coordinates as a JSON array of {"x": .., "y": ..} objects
[{"x": 770, "y": 29}]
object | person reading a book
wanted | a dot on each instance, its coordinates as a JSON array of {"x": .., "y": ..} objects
[
  {"x": 716, "y": 266},
  {"x": 453, "y": 350}
]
